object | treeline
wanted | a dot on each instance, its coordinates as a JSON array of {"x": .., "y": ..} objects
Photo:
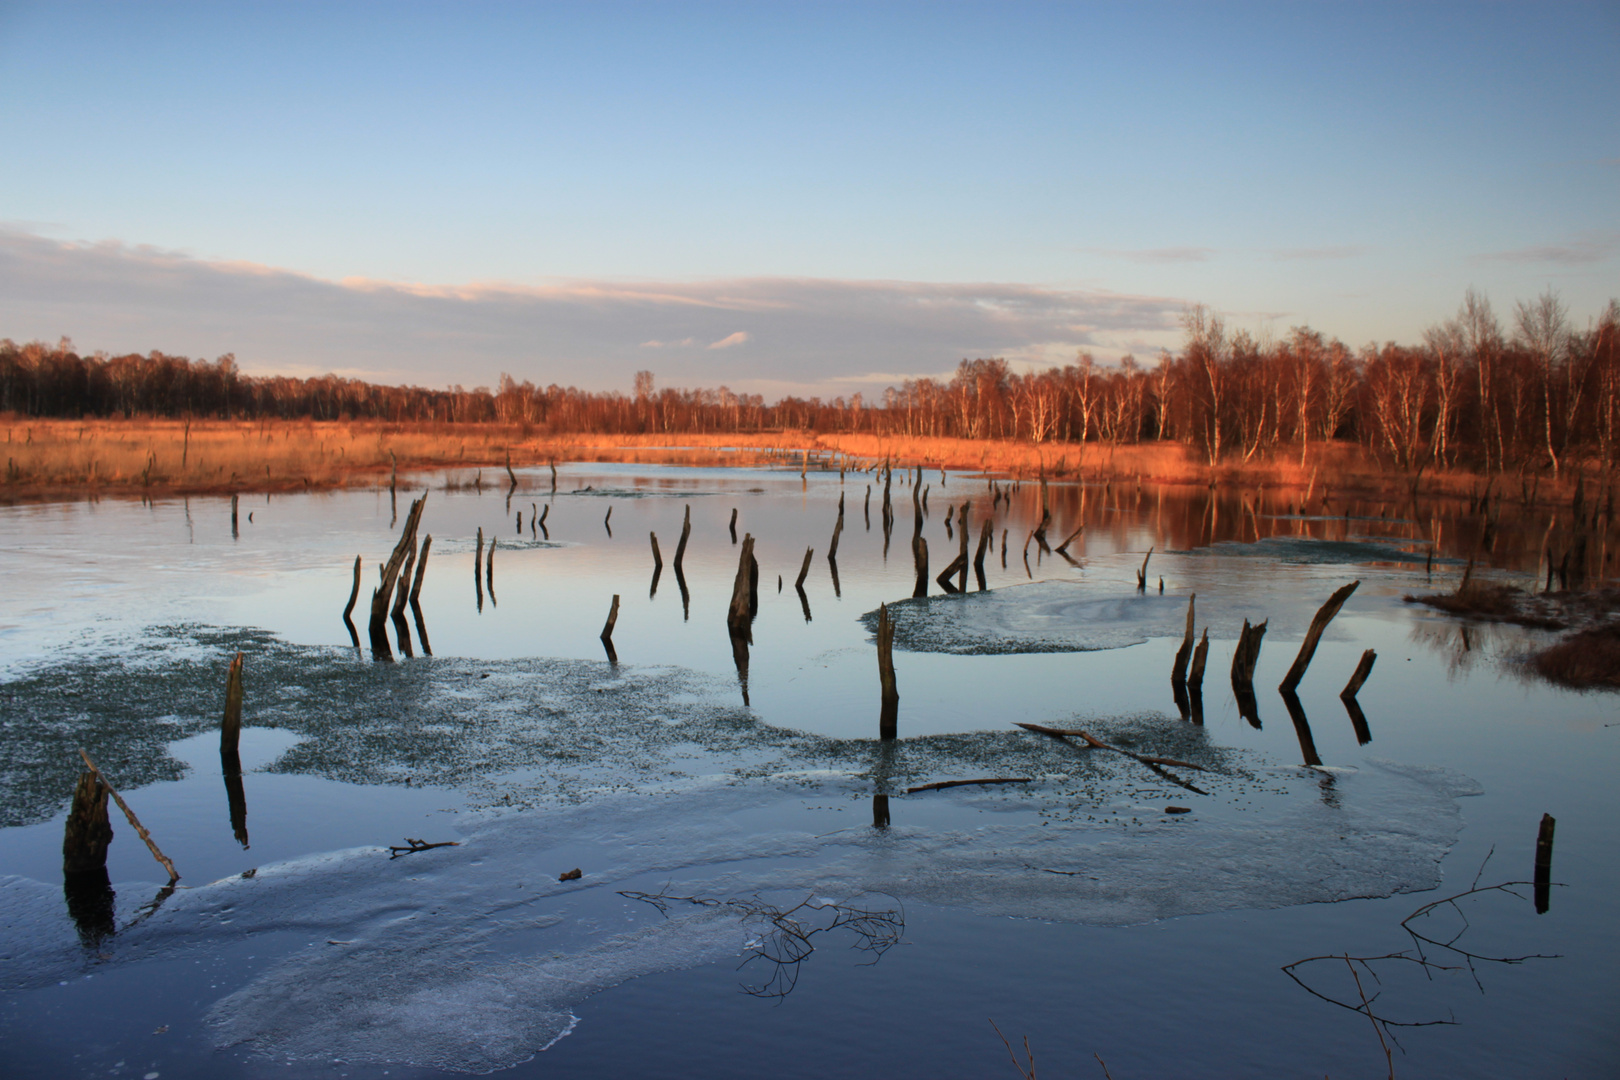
[{"x": 1537, "y": 393}]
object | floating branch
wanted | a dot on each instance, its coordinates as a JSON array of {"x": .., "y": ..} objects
[
  {"x": 889, "y": 717},
  {"x": 1314, "y": 635},
  {"x": 940, "y": 785},
  {"x": 134, "y": 821},
  {"x": 1153, "y": 763},
  {"x": 1363, "y": 669},
  {"x": 413, "y": 846}
]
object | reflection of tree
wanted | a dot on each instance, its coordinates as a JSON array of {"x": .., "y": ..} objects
[
  {"x": 1431, "y": 942},
  {"x": 786, "y": 936}
]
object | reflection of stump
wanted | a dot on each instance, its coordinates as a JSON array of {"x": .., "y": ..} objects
[
  {"x": 92, "y": 905},
  {"x": 880, "y": 811},
  {"x": 235, "y": 796}
]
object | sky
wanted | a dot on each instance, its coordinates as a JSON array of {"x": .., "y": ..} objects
[{"x": 789, "y": 198}]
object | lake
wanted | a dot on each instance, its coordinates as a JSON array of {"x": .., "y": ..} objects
[{"x": 759, "y": 892}]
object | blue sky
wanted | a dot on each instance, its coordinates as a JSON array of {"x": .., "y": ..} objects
[{"x": 847, "y": 194}]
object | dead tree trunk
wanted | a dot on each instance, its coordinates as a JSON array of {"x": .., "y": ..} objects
[
  {"x": 385, "y": 590},
  {"x": 686, "y": 531},
  {"x": 1363, "y": 669},
  {"x": 1308, "y": 648},
  {"x": 888, "y": 718},
  {"x": 919, "y": 555},
  {"x": 986, "y": 530},
  {"x": 88, "y": 830},
  {"x": 1178, "y": 671},
  {"x": 743, "y": 589}
]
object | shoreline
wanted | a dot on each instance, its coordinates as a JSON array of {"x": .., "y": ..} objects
[{"x": 54, "y": 460}]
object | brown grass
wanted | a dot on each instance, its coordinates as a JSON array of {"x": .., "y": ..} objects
[
  {"x": 1589, "y": 659},
  {"x": 53, "y": 458}
]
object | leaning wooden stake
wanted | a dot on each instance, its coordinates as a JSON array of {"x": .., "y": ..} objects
[
  {"x": 686, "y": 531},
  {"x": 421, "y": 569},
  {"x": 986, "y": 531},
  {"x": 134, "y": 821},
  {"x": 390, "y": 573},
  {"x": 733, "y": 524},
  {"x": 1178, "y": 671},
  {"x": 1141, "y": 575},
  {"x": 1314, "y": 635},
  {"x": 230, "y": 727},
  {"x": 804, "y": 570},
  {"x": 1061, "y": 548},
  {"x": 1363, "y": 669},
  {"x": 1247, "y": 653},
  {"x": 658, "y": 560},
  {"x": 613, "y": 617},
  {"x": 888, "y": 719},
  {"x": 354, "y": 592},
  {"x": 1195, "y": 677},
  {"x": 838, "y": 527}
]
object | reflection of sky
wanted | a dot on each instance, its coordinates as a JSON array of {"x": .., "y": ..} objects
[{"x": 1240, "y": 155}]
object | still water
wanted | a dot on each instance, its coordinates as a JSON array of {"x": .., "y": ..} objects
[{"x": 1070, "y": 908}]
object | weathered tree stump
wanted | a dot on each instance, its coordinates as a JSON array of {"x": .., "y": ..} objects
[{"x": 1313, "y": 635}]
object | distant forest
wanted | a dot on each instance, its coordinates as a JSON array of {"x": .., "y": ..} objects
[{"x": 1537, "y": 394}]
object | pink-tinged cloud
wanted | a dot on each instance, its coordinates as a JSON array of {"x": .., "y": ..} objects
[
  {"x": 1343, "y": 251},
  {"x": 1155, "y": 255},
  {"x": 1580, "y": 251},
  {"x": 825, "y": 336}
]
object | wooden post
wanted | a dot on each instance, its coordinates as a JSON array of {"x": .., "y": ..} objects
[
  {"x": 421, "y": 569},
  {"x": 1363, "y": 669},
  {"x": 1544, "y": 853},
  {"x": 838, "y": 527},
  {"x": 607, "y": 520},
  {"x": 888, "y": 721},
  {"x": 233, "y": 515},
  {"x": 403, "y": 592},
  {"x": 962, "y": 536},
  {"x": 733, "y": 524},
  {"x": 740, "y": 611},
  {"x": 986, "y": 532},
  {"x": 230, "y": 726},
  {"x": 1178, "y": 671},
  {"x": 804, "y": 569},
  {"x": 390, "y": 573},
  {"x": 88, "y": 830},
  {"x": 1308, "y": 648},
  {"x": 1195, "y": 677},
  {"x": 1247, "y": 653},
  {"x": 1061, "y": 548},
  {"x": 478, "y": 569},
  {"x": 613, "y": 617},
  {"x": 919, "y": 555},
  {"x": 489, "y": 569},
  {"x": 686, "y": 531},
  {"x": 354, "y": 592},
  {"x": 553, "y": 479},
  {"x": 1141, "y": 575},
  {"x": 658, "y": 560}
]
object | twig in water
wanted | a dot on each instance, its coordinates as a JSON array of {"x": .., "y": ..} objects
[
  {"x": 1027, "y": 1071},
  {"x": 418, "y": 845},
  {"x": 940, "y": 785}
]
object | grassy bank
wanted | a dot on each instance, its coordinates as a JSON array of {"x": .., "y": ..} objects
[{"x": 48, "y": 459}]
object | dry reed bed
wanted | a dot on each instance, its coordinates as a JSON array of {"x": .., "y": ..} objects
[{"x": 50, "y": 458}]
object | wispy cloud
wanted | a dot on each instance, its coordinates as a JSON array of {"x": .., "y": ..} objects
[
  {"x": 824, "y": 336},
  {"x": 1343, "y": 251},
  {"x": 1156, "y": 255},
  {"x": 1579, "y": 251}
]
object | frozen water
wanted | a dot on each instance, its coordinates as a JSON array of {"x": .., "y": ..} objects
[{"x": 474, "y": 957}]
